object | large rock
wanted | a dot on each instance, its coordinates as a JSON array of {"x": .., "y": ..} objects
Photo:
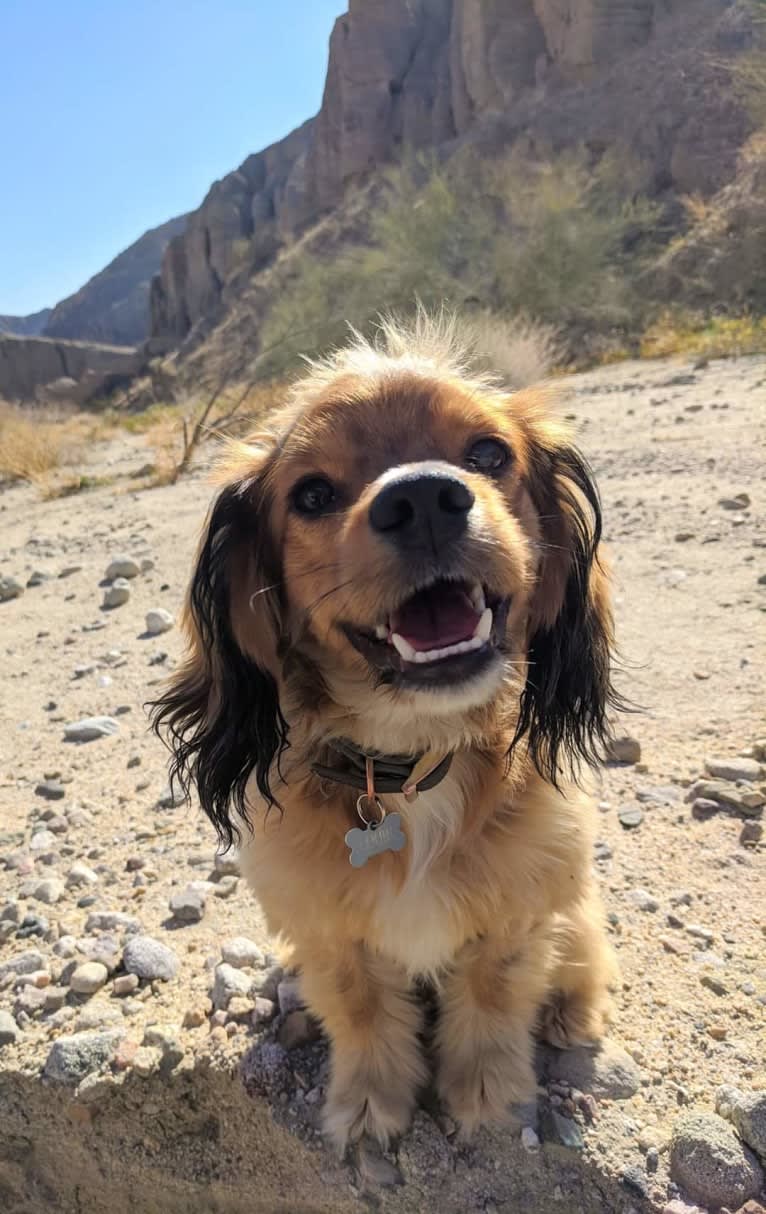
[{"x": 708, "y": 1160}]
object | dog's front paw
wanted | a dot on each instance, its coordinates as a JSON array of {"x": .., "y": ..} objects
[
  {"x": 479, "y": 1088},
  {"x": 571, "y": 1019},
  {"x": 358, "y": 1105}
]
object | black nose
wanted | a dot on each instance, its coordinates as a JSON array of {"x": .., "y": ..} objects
[{"x": 422, "y": 509}]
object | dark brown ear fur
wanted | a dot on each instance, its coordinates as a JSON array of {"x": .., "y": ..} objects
[
  {"x": 220, "y": 715},
  {"x": 568, "y": 692}
]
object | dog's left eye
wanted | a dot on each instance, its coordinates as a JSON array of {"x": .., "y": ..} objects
[
  {"x": 313, "y": 496},
  {"x": 487, "y": 455}
]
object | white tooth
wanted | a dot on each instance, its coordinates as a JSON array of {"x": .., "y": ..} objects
[
  {"x": 477, "y": 598},
  {"x": 483, "y": 629},
  {"x": 404, "y": 648},
  {"x": 422, "y": 657},
  {"x": 381, "y": 632}
]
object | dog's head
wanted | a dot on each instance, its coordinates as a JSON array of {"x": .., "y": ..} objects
[{"x": 409, "y": 558}]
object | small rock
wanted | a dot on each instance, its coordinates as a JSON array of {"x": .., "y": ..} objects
[
  {"x": 9, "y": 1029},
  {"x": 105, "y": 949},
  {"x": 164, "y": 1037},
  {"x": 111, "y": 921},
  {"x": 733, "y": 769},
  {"x": 89, "y": 978},
  {"x": 529, "y": 1140},
  {"x": 631, "y": 816},
  {"x": 561, "y": 1130},
  {"x": 708, "y": 1160},
  {"x": 122, "y": 566},
  {"x": 50, "y": 790},
  {"x": 227, "y": 864},
  {"x": 37, "y": 578},
  {"x": 148, "y": 958},
  {"x": 91, "y": 728},
  {"x": 240, "y": 1008},
  {"x": 188, "y": 905},
  {"x": 740, "y": 501},
  {"x": 72, "y": 1058},
  {"x": 703, "y": 808},
  {"x": 194, "y": 1018},
  {"x": 42, "y": 840},
  {"x": 747, "y": 1113},
  {"x": 171, "y": 797},
  {"x": 24, "y": 963},
  {"x": 80, "y": 875},
  {"x": 146, "y": 1060},
  {"x": 55, "y": 998},
  {"x": 158, "y": 620},
  {"x": 117, "y": 594},
  {"x": 701, "y": 933},
  {"x": 264, "y": 1011},
  {"x": 751, "y": 833},
  {"x": 229, "y": 982},
  {"x": 623, "y": 749},
  {"x": 49, "y": 891},
  {"x": 10, "y": 588},
  {"x": 126, "y": 984},
  {"x": 607, "y": 1071},
  {"x": 714, "y": 984},
  {"x": 241, "y": 953},
  {"x": 643, "y": 900}
]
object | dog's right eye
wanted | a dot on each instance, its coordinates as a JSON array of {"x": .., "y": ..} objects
[{"x": 313, "y": 496}]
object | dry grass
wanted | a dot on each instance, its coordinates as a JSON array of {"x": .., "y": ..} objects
[
  {"x": 33, "y": 442},
  {"x": 719, "y": 337}
]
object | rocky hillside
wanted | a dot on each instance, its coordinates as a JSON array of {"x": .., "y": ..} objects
[
  {"x": 113, "y": 306},
  {"x": 649, "y": 74},
  {"x": 25, "y": 326},
  {"x": 68, "y": 370}
]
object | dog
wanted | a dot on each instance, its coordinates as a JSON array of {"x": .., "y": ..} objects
[{"x": 399, "y": 657}]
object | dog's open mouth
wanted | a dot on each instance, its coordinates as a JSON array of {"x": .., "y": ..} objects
[{"x": 445, "y": 632}]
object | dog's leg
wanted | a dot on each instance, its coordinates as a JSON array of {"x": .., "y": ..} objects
[
  {"x": 372, "y": 1018},
  {"x": 579, "y": 1006},
  {"x": 490, "y": 1001}
]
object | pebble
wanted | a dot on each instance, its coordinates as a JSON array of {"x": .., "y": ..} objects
[
  {"x": 148, "y": 958},
  {"x": 529, "y": 1140},
  {"x": 122, "y": 566},
  {"x": 704, "y": 808},
  {"x": 80, "y": 875},
  {"x": 623, "y": 749},
  {"x": 146, "y": 1060},
  {"x": 72, "y": 1058},
  {"x": 171, "y": 797},
  {"x": 9, "y": 1029},
  {"x": 225, "y": 887},
  {"x": 643, "y": 900},
  {"x": 105, "y": 949},
  {"x": 164, "y": 1037},
  {"x": 714, "y": 984},
  {"x": 50, "y": 790},
  {"x": 194, "y": 1017},
  {"x": 126, "y": 984},
  {"x": 747, "y": 1113},
  {"x": 700, "y": 933},
  {"x": 708, "y": 1160},
  {"x": 751, "y": 833},
  {"x": 227, "y": 864},
  {"x": 607, "y": 1071},
  {"x": 42, "y": 840},
  {"x": 227, "y": 983},
  {"x": 264, "y": 1011},
  {"x": 10, "y": 588},
  {"x": 90, "y": 728},
  {"x": 188, "y": 905},
  {"x": 740, "y": 501},
  {"x": 49, "y": 891},
  {"x": 733, "y": 769},
  {"x": 241, "y": 953},
  {"x": 562, "y": 1130},
  {"x": 631, "y": 816},
  {"x": 158, "y": 620},
  {"x": 111, "y": 921},
  {"x": 89, "y": 978},
  {"x": 117, "y": 594}
]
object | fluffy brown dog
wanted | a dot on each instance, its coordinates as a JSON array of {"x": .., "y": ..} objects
[{"x": 399, "y": 583}]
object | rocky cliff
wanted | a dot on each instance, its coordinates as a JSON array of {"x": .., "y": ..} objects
[
  {"x": 82, "y": 369},
  {"x": 433, "y": 73}
]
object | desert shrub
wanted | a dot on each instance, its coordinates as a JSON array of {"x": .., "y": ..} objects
[
  {"x": 559, "y": 243},
  {"x": 704, "y": 337}
]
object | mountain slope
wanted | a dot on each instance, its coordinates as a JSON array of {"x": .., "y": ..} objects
[
  {"x": 25, "y": 326},
  {"x": 113, "y": 306}
]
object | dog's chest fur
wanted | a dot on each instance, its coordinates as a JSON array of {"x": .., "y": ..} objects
[{"x": 421, "y": 924}]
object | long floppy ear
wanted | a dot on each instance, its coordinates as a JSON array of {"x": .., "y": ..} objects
[
  {"x": 220, "y": 715},
  {"x": 568, "y": 692}
]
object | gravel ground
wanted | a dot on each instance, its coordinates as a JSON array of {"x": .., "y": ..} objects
[{"x": 130, "y": 953}]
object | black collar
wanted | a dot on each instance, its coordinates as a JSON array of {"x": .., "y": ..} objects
[{"x": 391, "y": 772}]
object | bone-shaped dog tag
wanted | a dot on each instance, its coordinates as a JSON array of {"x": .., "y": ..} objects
[{"x": 375, "y": 839}]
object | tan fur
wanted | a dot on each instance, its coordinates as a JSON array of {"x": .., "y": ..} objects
[{"x": 493, "y": 898}]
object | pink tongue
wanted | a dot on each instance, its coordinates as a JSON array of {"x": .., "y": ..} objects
[{"x": 435, "y": 618}]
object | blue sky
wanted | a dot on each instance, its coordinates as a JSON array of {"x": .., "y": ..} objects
[{"x": 117, "y": 114}]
